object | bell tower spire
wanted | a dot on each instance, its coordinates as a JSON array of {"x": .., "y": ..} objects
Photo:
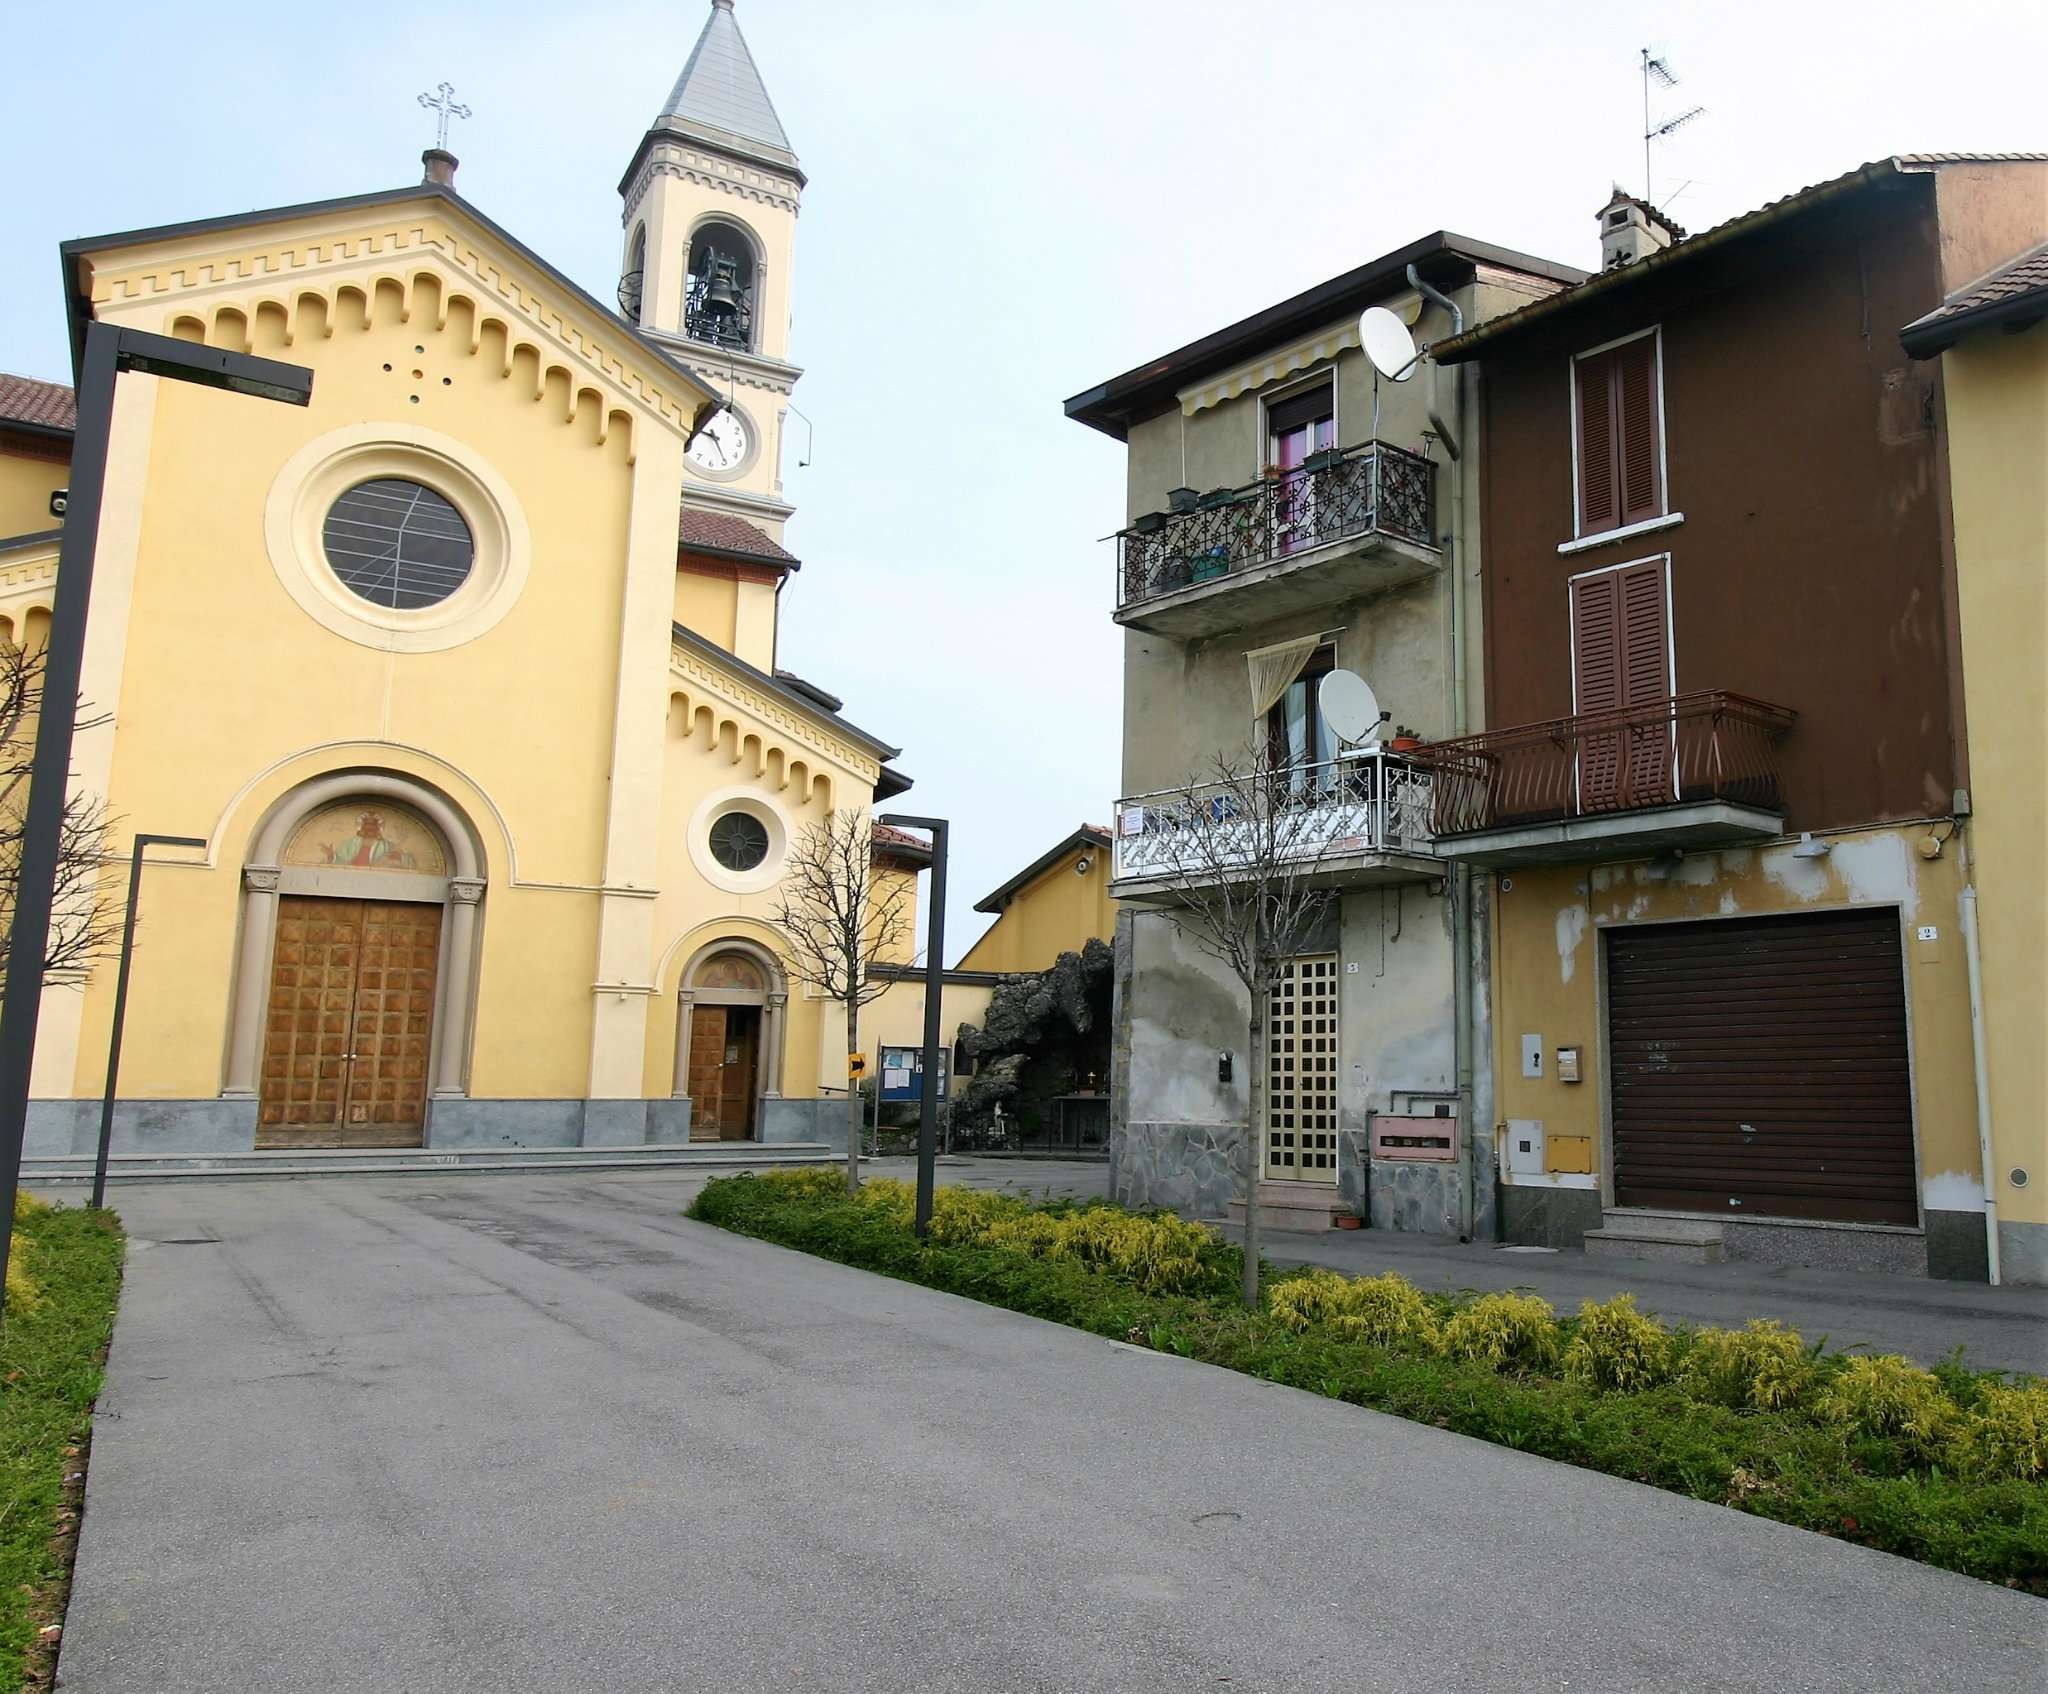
[{"x": 711, "y": 199}]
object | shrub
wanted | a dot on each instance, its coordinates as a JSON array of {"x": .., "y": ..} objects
[
  {"x": 1763, "y": 1368},
  {"x": 23, "y": 1294},
  {"x": 1503, "y": 1330},
  {"x": 966, "y": 1214},
  {"x": 26, "y": 1205},
  {"x": 812, "y": 1182},
  {"x": 2006, "y": 1438},
  {"x": 1890, "y": 1399},
  {"x": 1615, "y": 1346},
  {"x": 1384, "y": 1311}
]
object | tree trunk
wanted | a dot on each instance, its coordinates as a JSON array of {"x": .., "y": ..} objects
[
  {"x": 852, "y": 1100},
  {"x": 1255, "y": 1138}
]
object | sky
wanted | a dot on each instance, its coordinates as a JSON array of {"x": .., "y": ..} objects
[{"x": 1007, "y": 204}]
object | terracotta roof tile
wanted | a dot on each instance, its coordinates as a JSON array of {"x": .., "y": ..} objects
[
  {"x": 888, "y": 835},
  {"x": 2014, "y": 280},
  {"x": 718, "y": 532},
  {"x": 47, "y": 405}
]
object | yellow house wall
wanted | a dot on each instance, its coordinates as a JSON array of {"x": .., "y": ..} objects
[
  {"x": 27, "y": 481},
  {"x": 1053, "y": 914},
  {"x": 1548, "y": 978},
  {"x": 1996, "y": 395},
  {"x": 706, "y": 604},
  {"x": 896, "y": 1019}
]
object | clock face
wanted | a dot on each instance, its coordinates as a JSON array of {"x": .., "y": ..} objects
[{"x": 721, "y": 444}]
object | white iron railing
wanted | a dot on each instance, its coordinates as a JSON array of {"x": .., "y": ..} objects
[{"x": 1371, "y": 802}]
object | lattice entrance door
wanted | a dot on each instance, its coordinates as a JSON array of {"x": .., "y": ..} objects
[
  {"x": 351, "y": 1023},
  {"x": 1301, "y": 1071}
]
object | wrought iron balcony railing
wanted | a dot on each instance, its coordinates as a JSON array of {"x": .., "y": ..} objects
[
  {"x": 1375, "y": 803},
  {"x": 1688, "y": 748},
  {"x": 1337, "y": 495}
]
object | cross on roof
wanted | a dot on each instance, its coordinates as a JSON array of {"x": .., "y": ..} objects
[{"x": 443, "y": 104}]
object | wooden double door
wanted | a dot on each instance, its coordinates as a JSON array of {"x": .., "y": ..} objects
[
  {"x": 349, "y": 1035},
  {"x": 725, "y": 1059}
]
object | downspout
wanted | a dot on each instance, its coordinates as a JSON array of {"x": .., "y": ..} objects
[
  {"x": 1978, "y": 1054},
  {"x": 1452, "y": 437}
]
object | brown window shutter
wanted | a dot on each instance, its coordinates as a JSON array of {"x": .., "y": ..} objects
[
  {"x": 1644, "y": 658},
  {"x": 1599, "y": 495},
  {"x": 1596, "y": 643},
  {"x": 1621, "y": 659},
  {"x": 1306, "y": 408},
  {"x": 1641, "y": 458}
]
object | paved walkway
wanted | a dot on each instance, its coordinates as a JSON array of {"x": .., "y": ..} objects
[
  {"x": 506, "y": 1433},
  {"x": 1925, "y": 1319}
]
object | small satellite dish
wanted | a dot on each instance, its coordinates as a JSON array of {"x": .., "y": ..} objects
[
  {"x": 1387, "y": 344},
  {"x": 1349, "y": 706}
]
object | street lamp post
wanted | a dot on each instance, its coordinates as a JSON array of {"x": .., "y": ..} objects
[
  {"x": 934, "y": 990},
  {"x": 99, "y": 1164},
  {"x": 108, "y": 351}
]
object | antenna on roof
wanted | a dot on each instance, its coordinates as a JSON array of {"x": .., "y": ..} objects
[{"x": 1657, "y": 71}]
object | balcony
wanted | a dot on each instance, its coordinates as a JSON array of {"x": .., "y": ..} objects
[
  {"x": 1350, "y": 522},
  {"x": 1695, "y": 770},
  {"x": 1363, "y": 819}
]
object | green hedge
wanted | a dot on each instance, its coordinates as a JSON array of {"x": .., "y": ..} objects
[
  {"x": 60, "y": 1313},
  {"x": 1830, "y": 1463}
]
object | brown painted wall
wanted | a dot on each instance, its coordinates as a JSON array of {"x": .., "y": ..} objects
[{"x": 1808, "y": 570}]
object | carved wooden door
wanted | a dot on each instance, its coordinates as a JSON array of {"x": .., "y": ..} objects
[
  {"x": 723, "y": 1054},
  {"x": 350, "y": 1031}
]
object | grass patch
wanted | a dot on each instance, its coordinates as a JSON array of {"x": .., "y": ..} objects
[
  {"x": 1949, "y": 1467},
  {"x": 59, "y": 1315}
]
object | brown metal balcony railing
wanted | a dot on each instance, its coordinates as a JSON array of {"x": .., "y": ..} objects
[
  {"x": 1360, "y": 490},
  {"x": 1691, "y": 747}
]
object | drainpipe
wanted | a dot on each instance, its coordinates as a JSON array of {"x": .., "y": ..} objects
[
  {"x": 1979, "y": 1055},
  {"x": 1461, "y": 882}
]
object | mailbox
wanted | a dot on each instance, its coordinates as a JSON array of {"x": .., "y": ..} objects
[{"x": 1399, "y": 1137}]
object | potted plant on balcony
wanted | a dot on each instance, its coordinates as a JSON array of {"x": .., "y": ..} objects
[
  {"x": 1149, "y": 523},
  {"x": 1405, "y": 739}
]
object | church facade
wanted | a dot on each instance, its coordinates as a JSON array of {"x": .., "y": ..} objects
[{"x": 493, "y": 761}]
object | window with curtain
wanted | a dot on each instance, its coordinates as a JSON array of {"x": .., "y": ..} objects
[{"x": 1301, "y": 741}]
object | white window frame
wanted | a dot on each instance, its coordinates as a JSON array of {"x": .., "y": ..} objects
[{"x": 1599, "y": 536}]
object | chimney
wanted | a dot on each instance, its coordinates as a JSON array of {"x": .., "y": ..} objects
[
  {"x": 440, "y": 165},
  {"x": 1632, "y": 229}
]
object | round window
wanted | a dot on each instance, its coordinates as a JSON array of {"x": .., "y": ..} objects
[
  {"x": 739, "y": 841},
  {"x": 398, "y": 544}
]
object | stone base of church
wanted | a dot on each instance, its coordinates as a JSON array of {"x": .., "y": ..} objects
[{"x": 57, "y": 1128}]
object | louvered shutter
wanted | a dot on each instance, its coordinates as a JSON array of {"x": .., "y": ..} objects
[
  {"x": 1645, "y": 680},
  {"x": 1640, "y": 459},
  {"x": 1596, "y": 684},
  {"x": 1599, "y": 492},
  {"x": 1620, "y": 656}
]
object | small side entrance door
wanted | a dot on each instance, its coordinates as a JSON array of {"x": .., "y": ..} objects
[
  {"x": 725, "y": 1043},
  {"x": 351, "y": 1023},
  {"x": 1301, "y": 1071}
]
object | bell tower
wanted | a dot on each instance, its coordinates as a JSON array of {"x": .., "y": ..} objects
[{"x": 711, "y": 200}]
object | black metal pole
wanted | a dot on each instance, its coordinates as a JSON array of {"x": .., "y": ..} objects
[
  {"x": 934, "y": 991},
  {"x": 107, "y": 352},
  {"x": 50, "y": 769},
  {"x": 99, "y": 1164}
]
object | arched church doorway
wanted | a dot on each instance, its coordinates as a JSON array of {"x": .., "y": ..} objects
[
  {"x": 352, "y": 1006},
  {"x": 729, "y": 1020}
]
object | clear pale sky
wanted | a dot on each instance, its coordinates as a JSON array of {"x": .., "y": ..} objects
[{"x": 1007, "y": 204}]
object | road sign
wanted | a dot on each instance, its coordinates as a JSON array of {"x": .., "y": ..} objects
[{"x": 856, "y": 1064}]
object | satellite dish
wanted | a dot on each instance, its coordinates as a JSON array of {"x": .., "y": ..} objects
[
  {"x": 1349, "y": 706},
  {"x": 1387, "y": 344}
]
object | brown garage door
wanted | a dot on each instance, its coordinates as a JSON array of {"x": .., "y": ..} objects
[{"x": 1759, "y": 1067}]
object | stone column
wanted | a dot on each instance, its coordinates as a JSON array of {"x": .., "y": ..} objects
[
  {"x": 252, "y": 981},
  {"x": 679, "y": 1088},
  {"x": 458, "y": 967},
  {"x": 771, "y": 1038}
]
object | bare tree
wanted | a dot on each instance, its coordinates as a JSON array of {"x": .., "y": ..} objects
[
  {"x": 1242, "y": 851},
  {"x": 83, "y": 922},
  {"x": 840, "y": 924}
]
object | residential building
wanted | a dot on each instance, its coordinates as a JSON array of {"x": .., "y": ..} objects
[
  {"x": 466, "y": 673},
  {"x": 1724, "y": 796},
  {"x": 1290, "y": 514},
  {"x": 1990, "y": 339}
]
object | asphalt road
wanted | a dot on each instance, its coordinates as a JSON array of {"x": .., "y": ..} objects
[{"x": 502, "y": 1433}]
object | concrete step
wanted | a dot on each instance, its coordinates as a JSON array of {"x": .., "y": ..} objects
[
  {"x": 1632, "y": 1234},
  {"x": 1297, "y": 1206},
  {"x": 426, "y": 1161}
]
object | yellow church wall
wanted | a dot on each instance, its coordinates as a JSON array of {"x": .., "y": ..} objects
[
  {"x": 1053, "y": 914},
  {"x": 1549, "y": 970},
  {"x": 228, "y": 691},
  {"x": 27, "y": 480},
  {"x": 896, "y": 1018},
  {"x": 706, "y": 604},
  {"x": 1995, "y": 395}
]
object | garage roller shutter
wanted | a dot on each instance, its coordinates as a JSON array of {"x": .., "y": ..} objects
[{"x": 1759, "y": 1067}]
